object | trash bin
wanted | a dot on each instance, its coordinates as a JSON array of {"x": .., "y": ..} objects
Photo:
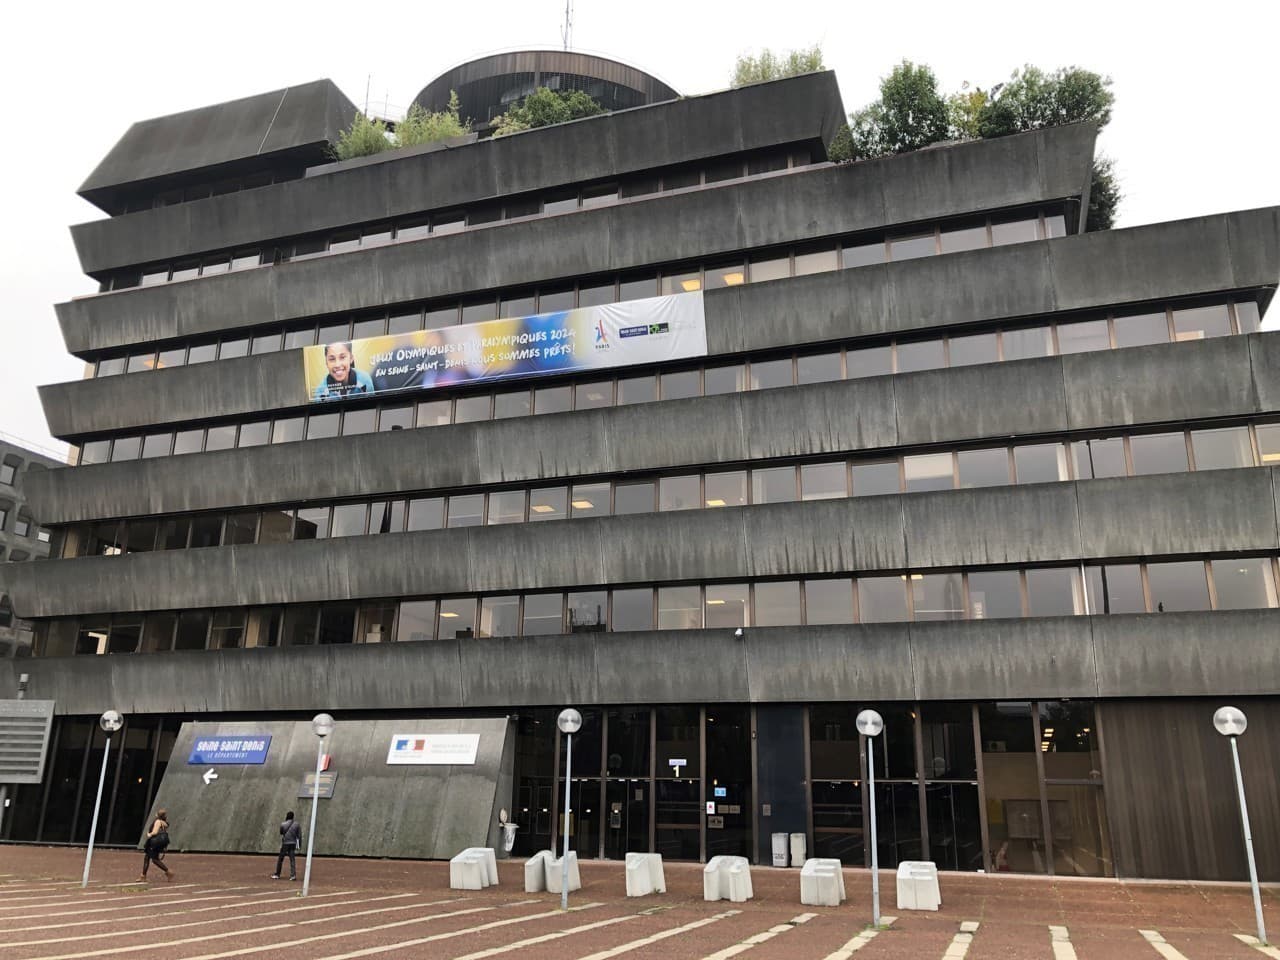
[
  {"x": 779, "y": 849},
  {"x": 797, "y": 849},
  {"x": 508, "y": 836}
]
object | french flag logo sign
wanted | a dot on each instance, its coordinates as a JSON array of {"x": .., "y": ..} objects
[{"x": 434, "y": 748}]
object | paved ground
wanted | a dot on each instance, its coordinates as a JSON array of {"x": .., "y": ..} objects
[{"x": 224, "y": 906}]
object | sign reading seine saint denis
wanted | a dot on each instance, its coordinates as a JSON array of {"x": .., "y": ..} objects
[
  {"x": 434, "y": 748},
  {"x": 587, "y": 338},
  {"x": 233, "y": 748}
]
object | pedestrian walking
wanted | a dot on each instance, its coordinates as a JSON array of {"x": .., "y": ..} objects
[
  {"x": 290, "y": 840},
  {"x": 155, "y": 844}
]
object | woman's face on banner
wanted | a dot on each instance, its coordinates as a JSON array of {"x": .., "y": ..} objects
[{"x": 338, "y": 359}]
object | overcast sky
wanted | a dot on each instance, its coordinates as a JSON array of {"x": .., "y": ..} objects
[{"x": 1194, "y": 129}]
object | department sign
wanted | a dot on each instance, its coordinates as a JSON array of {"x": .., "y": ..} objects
[
  {"x": 434, "y": 748},
  {"x": 237, "y": 748}
]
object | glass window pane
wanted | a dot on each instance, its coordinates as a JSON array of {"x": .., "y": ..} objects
[
  {"x": 157, "y": 632},
  {"x": 457, "y": 618},
  {"x": 266, "y": 342},
  {"x": 276, "y": 526},
  {"x": 506, "y": 506},
  {"x": 193, "y": 630},
  {"x": 823, "y": 481},
  {"x": 359, "y": 421},
  {"x": 633, "y": 497},
  {"x": 773, "y": 485},
  {"x": 726, "y": 606},
  {"x": 724, "y": 379},
  {"x": 1096, "y": 459},
  {"x": 938, "y": 596},
  {"x": 1083, "y": 337},
  {"x": 395, "y": 418},
  {"x": 1243, "y": 584},
  {"x": 241, "y": 528},
  {"x": 1053, "y": 592},
  {"x": 769, "y": 268},
  {"x": 312, "y": 523},
  {"x": 994, "y": 594},
  {"x": 1116, "y": 588},
  {"x": 435, "y": 413},
  {"x": 679, "y": 493},
  {"x": 1015, "y": 231},
  {"x": 873, "y": 479},
  {"x": 590, "y": 396},
  {"x": 322, "y": 425},
  {"x": 947, "y": 733},
  {"x": 404, "y": 322},
  {"x": 1247, "y": 317},
  {"x": 201, "y": 353},
  {"x": 983, "y": 468},
  {"x": 590, "y": 500},
  {"x": 1027, "y": 343},
  {"x": 1040, "y": 462},
  {"x": 542, "y": 614},
  {"x": 287, "y": 429},
  {"x": 111, "y": 366},
  {"x": 725, "y": 489},
  {"x": 1012, "y": 786},
  {"x": 126, "y": 448},
  {"x": 928, "y": 471},
  {"x": 140, "y": 362},
  {"x": 156, "y": 445},
  {"x": 172, "y": 358},
  {"x": 349, "y": 519},
  {"x": 863, "y": 254},
  {"x": 882, "y": 599},
  {"x": 920, "y": 355},
  {"x": 552, "y": 400},
  {"x": 554, "y": 301},
  {"x": 220, "y": 438},
  {"x": 588, "y": 611},
  {"x": 687, "y": 282},
  {"x": 500, "y": 617},
  {"x": 1201, "y": 323},
  {"x": 766, "y": 374},
  {"x": 375, "y": 622},
  {"x": 472, "y": 409},
  {"x": 226, "y": 632},
  {"x": 633, "y": 609},
  {"x": 436, "y": 318},
  {"x": 1141, "y": 329},
  {"x": 300, "y": 625},
  {"x": 206, "y": 530},
  {"x": 549, "y": 503},
  {"x": 827, "y": 601},
  {"x": 913, "y": 246},
  {"x": 978, "y": 348},
  {"x": 1055, "y": 225},
  {"x": 254, "y": 434},
  {"x": 777, "y": 604},
  {"x": 517, "y": 306},
  {"x": 817, "y": 261},
  {"x": 637, "y": 389},
  {"x": 957, "y": 239},
  {"x": 730, "y": 275},
  {"x": 680, "y": 384},
  {"x": 1219, "y": 449},
  {"x": 594, "y": 295},
  {"x": 1158, "y": 453},
  {"x": 1178, "y": 586},
  {"x": 869, "y": 362},
  {"x": 679, "y": 608},
  {"x": 426, "y": 514},
  {"x": 1268, "y": 442},
  {"x": 818, "y": 368},
  {"x": 174, "y": 533},
  {"x": 233, "y": 348},
  {"x": 479, "y": 312},
  {"x": 416, "y": 621},
  {"x": 387, "y": 516},
  {"x": 466, "y": 510}
]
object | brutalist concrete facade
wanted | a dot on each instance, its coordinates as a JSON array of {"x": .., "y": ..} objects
[
  {"x": 23, "y": 536},
  {"x": 948, "y": 455}
]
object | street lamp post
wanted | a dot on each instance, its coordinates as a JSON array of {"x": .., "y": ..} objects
[
  {"x": 869, "y": 724},
  {"x": 569, "y": 722},
  {"x": 111, "y": 721},
  {"x": 1231, "y": 723},
  {"x": 321, "y": 725}
]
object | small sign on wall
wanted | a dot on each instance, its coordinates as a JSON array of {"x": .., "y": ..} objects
[
  {"x": 234, "y": 748},
  {"x": 434, "y": 748}
]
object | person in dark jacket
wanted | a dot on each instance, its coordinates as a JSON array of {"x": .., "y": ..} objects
[
  {"x": 290, "y": 840},
  {"x": 155, "y": 844}
]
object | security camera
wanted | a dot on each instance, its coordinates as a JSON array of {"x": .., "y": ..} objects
[{"x": 737, "y": 634}]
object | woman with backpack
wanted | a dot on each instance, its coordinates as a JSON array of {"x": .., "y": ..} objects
[
  {"x": 155, "y": 844},
  {"x": 290, "y": 840}
]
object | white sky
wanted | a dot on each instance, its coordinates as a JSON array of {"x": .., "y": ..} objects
[{"x": 1194, "y": 130}]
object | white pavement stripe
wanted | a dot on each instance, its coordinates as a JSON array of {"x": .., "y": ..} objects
[
  {"x": 139, "y": 947},
  {"x": 1264, "y": 949},
  {"x": 959, "y": 945},
  {"x": 66, "y": 900},
  {"x": 655, "y": 938},
  {"x": 240, "y": 902},
  {"x": 860, "y": 941},
  {"x": 1162, "y": 946},
  {"x": 558, "y": 934},
  {"x": 141, "y": 904},
  {"x": 1060, "y": 941},
  {"x": 197, "y": 923},
  {"x": 759, "y": 938},
  {"x": 406, "y": 944}
]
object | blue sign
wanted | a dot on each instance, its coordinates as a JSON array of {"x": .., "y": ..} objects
[
  {"x": 235, "y": 748},
  {"x": 722, "y": 791}
]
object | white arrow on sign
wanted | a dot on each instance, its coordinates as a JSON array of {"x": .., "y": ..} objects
[{"x": 209, "y": 776}]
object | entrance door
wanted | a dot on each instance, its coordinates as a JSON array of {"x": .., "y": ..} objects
[{"x": 626, "y": 818}]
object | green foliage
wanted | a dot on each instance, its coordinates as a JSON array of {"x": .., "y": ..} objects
[
  {"x": 544, "y": 107},
  {"x": 910, "y": 114},
  {"x": 841, "y": 149},
  {"x": 423, "y": 126},
  {"x": 1104, "y": 195},
  {"x": 363, "y": 138},
  {"x": 964, "y": 113},
  {"x": 771, "y": 66},
  {"x": 1033, "y": 99}
]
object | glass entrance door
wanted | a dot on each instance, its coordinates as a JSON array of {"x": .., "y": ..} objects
[{"x": 626, "y": 818}]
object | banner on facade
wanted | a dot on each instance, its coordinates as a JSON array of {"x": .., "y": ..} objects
[
  {"x": 236, "y": 748},
  {"x": 587, "y": 338},
  {"x": 434, "y": 748}
]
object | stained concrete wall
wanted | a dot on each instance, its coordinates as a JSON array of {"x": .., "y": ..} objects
[
  {"x": 804, "y": 205},
  {"x": 377, "y": 810}
]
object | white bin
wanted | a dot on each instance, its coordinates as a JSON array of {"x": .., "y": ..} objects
[
  {"x": 797, "y": 849},
  {"x": 779, "y": 849}
]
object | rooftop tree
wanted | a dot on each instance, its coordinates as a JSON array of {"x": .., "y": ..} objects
[
  {"x": 772, "y": 66},
  {"x": 544, "y": 107}
]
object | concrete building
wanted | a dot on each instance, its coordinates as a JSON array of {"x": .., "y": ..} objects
[
  {"x": 21, "y": 535},
  {"x": 916, "y": 441}
]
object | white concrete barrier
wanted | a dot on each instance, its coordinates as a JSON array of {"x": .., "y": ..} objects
[
  {"x": 535, "y": 871},
  {"x": 822, "y": 883},
  {"x": 727, "y": 878},
  {"x": 644, "y": 874},
  {"x": 473, "y": 869},
  {"x": 918, "y": 885},
  {"x": 555, "y": 869}
]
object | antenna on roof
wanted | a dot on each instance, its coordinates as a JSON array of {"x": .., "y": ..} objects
[
  {"x": 367, "y": 81},
  {"x": 566, "y": 32}
]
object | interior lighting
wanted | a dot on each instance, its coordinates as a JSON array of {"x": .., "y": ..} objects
[
  {"x": 715, "y": 603},
  {"x": 583, "y": 505},
  {"x": 691, "y": 285},
  {"x": 447, "y": 613},
  {"x": 544, "y": 508},
  {"x": 1270, "y": 457},
  {"x": 717, "y": 502},
  {"x": 733, "y": 279},
  {"x": 914, "y": 576}
]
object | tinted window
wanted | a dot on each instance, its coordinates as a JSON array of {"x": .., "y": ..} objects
[
  {"x": 882, "y": 599},
  {"x": 773, "y": 485},
  {"x": 1084, "y": 336},
  {"x": 1051, "y": 592},
  {"x": 983, "y": 468},
  {"x": 828, "y": 601},
  {"x": 633, "y": 609},
  {"x": 725, "y": 489},
  {"x": 1222, "y": 448},
  {"x": 979, "y": 348},
  {"x": 920, "y": 355},
  {"x": 994, "y": 594},
  {"x": 873, "y": 479},
  {"x": 1023, "y": 344},
  {"x": 1142, "y": 329},
  {"x": 1158, "y": 453},
  {"x": 869, "y": 362},
  {"x": 1178, "y": 586}
]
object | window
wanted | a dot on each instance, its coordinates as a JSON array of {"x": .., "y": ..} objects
[
  {"x": 358, "y": 421},
  {"x": 193, "y": 630},
  {"x": 978, "y": 348},
  {"x": 633, "y": 497},
  {"x": 587, "y": 611},
  {"x": 457, "y": 618},
  {"x": 777, "y": 604},
  {"x": 679, "y": 493},
  {"x": 548, "y": 503},
  {"x": 726, "y": 606},
  {"x": 266, "y": 343},
  {"x": 637, "y": 389},
  {"x": 921, "y": 355},
  {"x": 500, "y": 617},
  {"x": 983, "y": 468},
  {"x": 1222, "y": 448},
  {"x": 816, "y": 261},
  {"x": 286, "y": 429},
  {"x": 156, "y": 445},
  {"x": 724, "y": 379},
  {"x": 417, "y": 621},
  {"x": 220, "y": 438},
  {"x": 912, "y": 246},
  {"x": 1096, "y": 459},
  {"x": 542, "y": 614},
  {"x": 937, "y": 596},
  {"x": 95, "y": 451},
  {"x": 22, "y": 526},
  {"x": 552, "y": 400},
  {"x": 4, "y": 516},
  {"x": 827, "y": 601},
  {"x": 349, "y": 520},
  {"x": 1158, "y": 453},
  {"x": 774, "y": 268},
  {"x": 679, "y": 608},
  {"x": 506, "y": 506},
  {"x": 869, "y": 362},
  {"x": 589, "y": 396},
  {"x": 862, "y": 254},
  {"x": 680, "y": 384},
  {"x": 8, "y": 473},
  {"x": 1244, "y": 584},
  {"x": 240, "y": 528},
  {"x": 312, "y": 524},
  {"x": 443, "y": 223},
  {"x": 201, "y": 353},
  {"x": 1141, "y": 329},
  {"x": 126, "y": 448},
  {"x": 1053, "y": 592},
  {"x": 633, "y": 609},
  {"x": 823, "y": 481},
  {"x": 226, "y": 630},
  {"x": 233, "y": 348},
  {"x": 873, "y": 479},
  {"x": 590, "y": 500},
  {"x": 395, "y": 418},
  {"x": 960, "y": 238},
  {"x": 300, "y": 625},
  {"x": 725, "y": 489},
  {"x": 1027, "y": 343},
  {"x": 1040, "y": 462},
  {"x": 206, "y": 530},
  {"x": 1116, "y": 588},
  {"x": 994, "y": 594},
  {"x": 466, "y": 510},
  {"x": 1083, "y": 337},
  {"x": 818, "y": 368},
  {"x": 1200, "y": 323},
  {"x": 434, "y": 413},
  {"x": 375, "y": 622},
  {"x": 773, "y": 485},
  {"x": 731, "y": 275},
  {"x": 882, "y": 599},
  {"x": 928, "y": 471},
  {"x": 322, "y": 425},
  {"x": 1178, "y": 586},
  {"x": 1018, "y": 230},
  {"x": 1247, "y": 317},
  {"x": 110, "y": 366}
]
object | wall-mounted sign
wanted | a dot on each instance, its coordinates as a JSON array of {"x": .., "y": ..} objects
[
  {"x": 587, "y": 338},
  {"x": 711, "y": 806},
  {"x": 433, "y": 748},
  {"x": 715, "y": 823},
  {"x": 722, "y": 791},
  {"x": 233, "y": 748},
  {"x": 308, "y": 787},
  {"x": 677, "y": 762}
]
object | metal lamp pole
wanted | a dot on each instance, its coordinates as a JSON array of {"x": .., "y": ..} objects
[
  {"x": 1231, "y": 723},
  {"x": 869, "y": 724},
  {"x": 111, "y": 721},
  {"x": 321, "y": 725},
  {"x": 569, "y": 722}
]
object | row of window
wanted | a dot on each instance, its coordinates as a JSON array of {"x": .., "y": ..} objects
[
  {"x": 770, "y": 265},
  {"x": 993, "y": 346},
  {"x": 214, "y": 188},
  {"x": 1224, "y": 584},
  {"x": 440, "y": 223},
  {"x": 1116, "y": 456},
  {"x": 23, "y": 526}
]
